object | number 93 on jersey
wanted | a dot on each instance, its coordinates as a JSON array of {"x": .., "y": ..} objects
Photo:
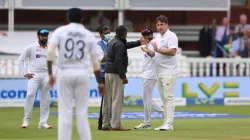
[{"x": 74, "y": 49}]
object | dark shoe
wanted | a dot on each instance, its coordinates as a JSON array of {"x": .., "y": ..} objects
[{"x": 120, "y": 129}]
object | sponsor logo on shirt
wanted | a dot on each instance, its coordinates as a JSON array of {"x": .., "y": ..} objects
[{"x": 40, "y": 56}]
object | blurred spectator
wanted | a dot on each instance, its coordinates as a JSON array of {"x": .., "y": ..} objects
[
  {"x": 247, "y": 42},
  {"x": 228, "y": 39},
  {"x": 242, "y": 26},
  {"x": 238, "y": 47},
  {"x": 128, "y": 24},
  {"x": 99, "y": 21},
  {"x": 205, "y": 41},
  {"x": 248, "y": 34},
  {"x": 222, "y": 31}
]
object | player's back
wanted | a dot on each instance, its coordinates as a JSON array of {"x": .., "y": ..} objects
[{"x": 75, "y": 43}]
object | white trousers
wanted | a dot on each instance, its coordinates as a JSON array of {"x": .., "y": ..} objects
[
  {"x": 39, "y": 81},
  {"x": 73, "y": 88},
  {"x": 166, "y": 85},
  {"x": 148, "y": 102}
]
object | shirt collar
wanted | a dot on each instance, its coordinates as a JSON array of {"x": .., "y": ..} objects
[
  {"x": 165, "y": 33},
  {"x": 38, "y": 45},
  {"x": 104, "y": 42}
]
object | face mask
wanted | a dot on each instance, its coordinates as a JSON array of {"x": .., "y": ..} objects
[
  {"x": 43, "y": 41},
  {"x": 107, "y": 37}
]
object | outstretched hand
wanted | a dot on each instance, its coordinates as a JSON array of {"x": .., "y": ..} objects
[{"x": 143, "y": 41}]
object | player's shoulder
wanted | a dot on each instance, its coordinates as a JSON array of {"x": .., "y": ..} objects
[
  {"x": 89, "y": 33},
  {"x": 33, "y": 45},
  {"x": 172, "y": 34},
  {"x": 60, "y": 29}
]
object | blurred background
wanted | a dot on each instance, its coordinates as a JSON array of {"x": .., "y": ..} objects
[{"x": 213, "y": 38}]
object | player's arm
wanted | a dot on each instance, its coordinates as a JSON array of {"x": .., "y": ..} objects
[
  {"x": 96, "y": 68},
  {"x": 55, "y": 65},
  {"x": 172, "y": 44},
  {"x": 96, "y": 65},
  {"x": 148, "y": 51},
  {"x": 50, "y": 56},
  {"x": 21, "y": 60},
  {"x": 171, "y": 51},
  {"x": 133, "y": 44},
  {"x": 53, "y": 43}
]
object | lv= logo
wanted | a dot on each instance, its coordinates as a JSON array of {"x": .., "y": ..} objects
[{"x": 209, "y": 91}]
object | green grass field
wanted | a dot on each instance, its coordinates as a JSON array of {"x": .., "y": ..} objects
[{"x": 185, "y": 129}]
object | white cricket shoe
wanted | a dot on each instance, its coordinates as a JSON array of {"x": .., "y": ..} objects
[
  {"x": 45, "y": 126},
  {"x": 164, "y": 127},
  {"x": 142, "y": 126},
  {"x": 25, "y": 124}
]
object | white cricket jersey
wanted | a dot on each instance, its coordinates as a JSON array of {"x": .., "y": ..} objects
[
  {"x": 74, "y": 43},
  {"x": 149, "y": 65},
  {"x": 167, "y": 64},
  {"x": 37, "y": 57}
]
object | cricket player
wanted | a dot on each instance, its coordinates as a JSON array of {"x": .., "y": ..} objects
[
  {"x": 149, "y": 81},
  {"x": 38, "y": 79},
  {"x": 166, "y": 64},
  {"x": 74, "y": 43}
]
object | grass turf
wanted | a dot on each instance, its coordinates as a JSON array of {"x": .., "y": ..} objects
[{"x": 185, "y": 129}]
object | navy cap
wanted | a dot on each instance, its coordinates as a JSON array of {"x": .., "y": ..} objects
[
  {"x": 42, "y": 32},
  {"x": 146, "y": 31}
]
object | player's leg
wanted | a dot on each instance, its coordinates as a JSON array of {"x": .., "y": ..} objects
[
  {"x": 156, "y": 105},
  {"x": 65, "y": 106},
  {"x": 33, "y": 85},
  {"x": 168, "y": 83},
  {"x": 160, "y": 88},
  {"x": 81, "y": 95},
  {"x": 148, "y": 86},
  {"x": 44, "y": 103},
  {"x": 117, "y": 101},
  {"x": 168, "y": 90},
  {"x": 106, "y": 108}
]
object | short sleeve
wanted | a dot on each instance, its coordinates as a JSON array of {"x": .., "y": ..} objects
[
  {"x": 92, "y": 42},
  {"x": 173, "y": 42},
  {"x": 55, "y": 38}
]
